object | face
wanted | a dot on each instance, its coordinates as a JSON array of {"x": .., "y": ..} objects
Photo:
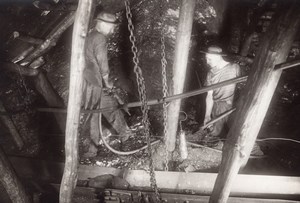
[
  {"x": 212, "y": 60},
  {"x": 105, "y": 28}
]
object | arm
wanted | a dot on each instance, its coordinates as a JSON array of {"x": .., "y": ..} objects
[
  {"x": 209, "y": 105},
  {"x": 102, "y": 61}
]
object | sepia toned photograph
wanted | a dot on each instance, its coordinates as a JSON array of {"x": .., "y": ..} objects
[{"x": 145, "y": 101}]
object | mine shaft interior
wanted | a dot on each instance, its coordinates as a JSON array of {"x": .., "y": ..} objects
[{"x": 127, "y": 111}]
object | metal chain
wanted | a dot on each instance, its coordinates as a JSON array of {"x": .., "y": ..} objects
[
  {"x": 165, "y": 94},
  {"x": 143, "y": 98}
]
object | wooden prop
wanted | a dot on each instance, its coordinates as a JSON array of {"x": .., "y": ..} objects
[
  {"x": 7, "y": 121},
  {"x": 80, "y": 31},
  {"x": 179, "y": 67},
  {"x": 16, "y": 68},
  {"x": 51, "y": 39},
  {"x": 10, "y": 181}
]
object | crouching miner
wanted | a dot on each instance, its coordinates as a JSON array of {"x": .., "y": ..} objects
[
  {"x": 219, "y": 100},
  {"x": 96, "y": 77}
]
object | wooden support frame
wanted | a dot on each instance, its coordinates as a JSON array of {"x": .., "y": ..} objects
[
  {"x": 50, "y": 40},
  {"x": 135, "y": 196},
  {"x": 11, "y": 182},
  {"x": 177, "y": 182},
  {"x": 254, "y": 103},
  {"x": 53, "y": 99},
  {"x": 16, "y": 68},
  {"x": 30, "y": 58},
  {"x": 80, "y": 31},
  {"x": 183, "y": 36},
  {"x": 8, "y": 122},
  {"x": 30, "y": 39}
]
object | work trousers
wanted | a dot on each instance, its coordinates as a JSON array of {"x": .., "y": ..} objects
[
  {"x": 220, "y": 128},
  {"x": 95, "y": 99}
]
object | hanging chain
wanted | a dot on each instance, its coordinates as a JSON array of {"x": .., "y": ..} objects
[
  {"x": 143, "y": 98},
  {"x": 165, "y": 94}
]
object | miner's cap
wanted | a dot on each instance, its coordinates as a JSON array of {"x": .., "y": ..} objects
[
  {"x": 214, "y": 50},
  {"x": 106, "y": 17}
]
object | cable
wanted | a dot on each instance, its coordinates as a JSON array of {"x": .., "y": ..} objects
[
  {"x": 279, "y": 138},
  {"x": 258, "y": 140},
  {"x": 220, "y": 151},
  {"x": 190, "y": 143},
  {"x": 116, "y": 151},
  {"x": 202, "y": 146}
]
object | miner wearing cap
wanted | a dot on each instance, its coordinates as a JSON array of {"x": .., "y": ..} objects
[
  {"x": 96, "y": 77},
  {"x": 219, "y": 100}
]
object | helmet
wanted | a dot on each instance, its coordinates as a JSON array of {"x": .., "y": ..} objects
[
  {"x": 106, "y": 17},
  {"x": 216, "y": 50}
]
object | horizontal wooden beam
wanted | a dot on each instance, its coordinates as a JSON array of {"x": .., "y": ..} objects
[
  {"x": 180, "y": 182},
  {"x": 134, "y": 196},
  {"x": 16, "y": 68},
  {"x": 30, "y": 39}
]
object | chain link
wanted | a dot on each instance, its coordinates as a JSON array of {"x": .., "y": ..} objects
[
  {"x": 165, "y": 86},
  {"x": 142, "y": 94},
  {"x": 165, "y": 94}
]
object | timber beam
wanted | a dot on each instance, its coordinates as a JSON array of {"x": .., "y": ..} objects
[
  {"x": 176, "y": 182},
  {"x": 10, "y": 182},
  {"x": 50, "y": 40},
  {"x": 80, "y": 31},
  {"x": 8, "y": 122},
  {"x": 18, "y": 69},
  {"x": 183, "y": 36}
]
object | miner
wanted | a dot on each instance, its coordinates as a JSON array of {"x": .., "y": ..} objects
[
  {"x": 97, "y": 79},
  {"x": 219, "y": 100}
]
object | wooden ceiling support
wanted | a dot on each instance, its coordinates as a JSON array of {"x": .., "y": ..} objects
[
  {"x": 10, "y": 181},
  {"x": 183, "y": 36},
  {"x": 80, "y": 31}
]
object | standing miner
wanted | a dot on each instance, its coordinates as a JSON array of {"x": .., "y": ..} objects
[
  {"x": 219, "y": 100},
  {"x": 96, "y": 76}
]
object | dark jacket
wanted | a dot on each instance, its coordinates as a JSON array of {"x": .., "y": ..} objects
[{"x": 96, "y": 58}]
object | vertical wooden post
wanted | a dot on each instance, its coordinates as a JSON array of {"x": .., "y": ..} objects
[
  {"x": 10, "y": 181},
  {"x": 7, "y": 121},
  {"x": 80, "y": 30},
  {"x": 254, "y": 103},
  {"x": 179, "y": 67},
  {"x": 53, "y": 99}
]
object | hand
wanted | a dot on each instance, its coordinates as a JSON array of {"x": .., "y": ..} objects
[
  {"x": 109, "y": 84},
  {"x": 107, "y": 81},
  {"x": 206, "y": 120}
]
